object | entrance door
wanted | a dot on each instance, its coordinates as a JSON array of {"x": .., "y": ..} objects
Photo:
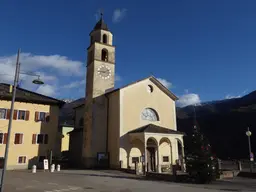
[{"x": 151, "y": 157}]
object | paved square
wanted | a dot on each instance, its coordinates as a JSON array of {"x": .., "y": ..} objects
[{"x": 108, "y": 181}]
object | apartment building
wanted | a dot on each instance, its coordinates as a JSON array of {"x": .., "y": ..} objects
[{"x": 34, "y": 132}]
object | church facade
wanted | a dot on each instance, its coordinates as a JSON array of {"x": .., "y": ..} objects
[{"x": 117, "y": 127}]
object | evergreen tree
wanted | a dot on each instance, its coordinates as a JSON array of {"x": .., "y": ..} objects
[{"x": 200, "y": 163}]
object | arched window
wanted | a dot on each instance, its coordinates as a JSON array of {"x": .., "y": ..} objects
[
  {"x": 149, "y": 115},
  {"x": 104, "y": 55},
  {"x": 81, "y": 121},
  {"x": 105, "y": 38}
]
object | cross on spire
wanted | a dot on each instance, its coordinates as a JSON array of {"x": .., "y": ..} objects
[{"x": 101, "y": 13}]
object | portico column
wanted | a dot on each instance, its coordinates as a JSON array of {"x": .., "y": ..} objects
[
  {"x": 158, "y": 160},
  {"x": 183, "y": 163},
  {"x": 128, "y": 160},
  {"x": 145, "y": 157}
]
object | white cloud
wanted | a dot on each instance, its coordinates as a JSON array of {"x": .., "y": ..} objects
[
  {"x": 29, "y": 62},
  {"x": 48, "y": 90},
  {"x": 74, "y": 84},
  {"x": 188, "y": 99},
  {"x": 118, "y": 15},
  {"x": 166, "y": 83},
  {"x": 118, "y": 78},
  {"x": 50, "y": 68}
]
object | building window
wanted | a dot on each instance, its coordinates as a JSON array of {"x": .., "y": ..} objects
[
  {"x": 21, "y": 115},
  {"x": 3, "y": 113},
  {"x": 22, "y": 159},
  {"x": 40, "y": 139},
  {"x": 104, "y": 55},
  {"x": 3, "y": 138},
  {"x": 42, "y": 116},
  {"x": 165, "y": 159},
  {"x": 135, "y": 159},
  {"x": 149, "y": 115},
  {"x": 105, "y": 39},
  {"x": 18, "y": 139}
]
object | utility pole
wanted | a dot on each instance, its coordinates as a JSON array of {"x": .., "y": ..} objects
[
  {"x": 249, "y": 133},
  {"x": 16, "y": 79}
]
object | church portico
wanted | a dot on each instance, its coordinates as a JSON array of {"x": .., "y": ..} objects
[{"x": 154, "y": 150}]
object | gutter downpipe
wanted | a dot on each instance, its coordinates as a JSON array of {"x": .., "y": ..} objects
[{"x": 107, "y": 128}]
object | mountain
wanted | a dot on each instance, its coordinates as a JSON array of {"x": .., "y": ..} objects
[
  {"x": 224, "y": 122},
  {"x": 67, "y": 111}
]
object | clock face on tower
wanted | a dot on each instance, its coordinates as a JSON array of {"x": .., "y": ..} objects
[{"x": 104, "y": 72}]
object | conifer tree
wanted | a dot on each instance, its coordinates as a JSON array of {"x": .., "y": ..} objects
[{"x": 200, "y": 163}]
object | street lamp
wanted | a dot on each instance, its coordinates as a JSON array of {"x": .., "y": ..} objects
[
  {"x": 16, "y": 79},
  {"x": 249, "y": 133}
]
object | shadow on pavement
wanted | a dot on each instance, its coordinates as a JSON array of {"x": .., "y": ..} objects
[{"x": 105, "y": 175}]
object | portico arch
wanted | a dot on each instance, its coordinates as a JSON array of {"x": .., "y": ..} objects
[
  {"x": 135, "y": 152},
  {"x": 165, "y": 151},
  {"x": 151, "y": 146},
  {"x": 180, "y": 148}
]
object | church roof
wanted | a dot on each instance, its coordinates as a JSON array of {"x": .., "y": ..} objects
[
  {"x": 151, "y": 128},
  {"x": 155, "y": 81},
  {"x": 152, "y": 78},
  {"x": 101, "y": 25}
]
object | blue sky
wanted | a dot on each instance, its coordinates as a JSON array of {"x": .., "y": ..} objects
[{"x": 205, "y": 49}]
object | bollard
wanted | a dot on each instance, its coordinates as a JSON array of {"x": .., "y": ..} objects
[
  {"x": 58, "y": 167},
  {"x": 239, "y": 164},
  {"x": 52, "y": 168},
  {"x": 34, "y": 169}
]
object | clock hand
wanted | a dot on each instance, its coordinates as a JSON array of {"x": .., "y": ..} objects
[{"x": 103, "y": 71}]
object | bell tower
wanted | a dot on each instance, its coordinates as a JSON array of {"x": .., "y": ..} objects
[
  {"x": 100, "y": 78},
  {"x": 100, "y": 61}
]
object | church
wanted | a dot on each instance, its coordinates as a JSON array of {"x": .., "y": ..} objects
[{"x": 116, "y": 128}]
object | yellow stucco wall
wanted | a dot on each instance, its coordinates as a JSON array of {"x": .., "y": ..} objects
[
  {"x": 132, "y": 101},
  {"x": 113, "y": 129},
  {"x": 65, "y": 138},
  {"x": 136, "y": 98},
  {"x": 28, "y": 128}
]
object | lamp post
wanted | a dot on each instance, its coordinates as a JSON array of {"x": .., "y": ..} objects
[
  {"x": 249, "y": 133},
  {"x": 16, "y": 79}
]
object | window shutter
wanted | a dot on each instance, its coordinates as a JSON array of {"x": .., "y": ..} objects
[
  {"x": 5, "y": 138},
  {"x": 27, "y": 115},
  {"x": 17, "y": 139},
  {"x": 8, "y": 114},
  {"x": 1, "y": 138},
  {"x": 15, "y": 114},
  {"x": 47, "y": 117},
  {"x": 34, "y": 139},
  {"x": 20, "y": 138},
  {"x": 46, "y": 139},
  {"x": 36, "y": 116}
]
